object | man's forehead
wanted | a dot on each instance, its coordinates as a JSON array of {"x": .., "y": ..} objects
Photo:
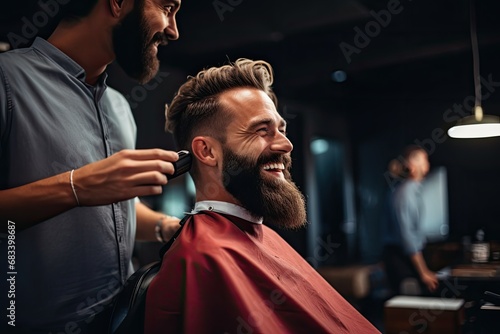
[
  {"x": 250, "y": 103},
  {"x": 243, "y": 95}
]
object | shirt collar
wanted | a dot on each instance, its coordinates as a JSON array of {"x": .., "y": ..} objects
[
  {"x": 227, "y": 208},
  {"x": 64, "y": 61}
]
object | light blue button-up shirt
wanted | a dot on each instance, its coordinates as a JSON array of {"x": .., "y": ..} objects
[{"x": 403, "y": 225}]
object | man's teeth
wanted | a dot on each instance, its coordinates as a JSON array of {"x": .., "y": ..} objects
[{"x": 279, "y": 166}]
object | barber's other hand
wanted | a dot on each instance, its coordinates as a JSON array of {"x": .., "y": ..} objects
[
  {"x": 430, "y": 280},
  {"x": 169, "y": 227},
  {"x": 124, "y": 175}
]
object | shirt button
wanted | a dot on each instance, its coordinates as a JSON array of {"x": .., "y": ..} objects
[{"x": 120, "y": 238}]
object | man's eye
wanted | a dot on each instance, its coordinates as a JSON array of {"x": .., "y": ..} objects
[
  {"x": 168, "y": 8},
  {"x": 262, "y": 130},
  {"x": 283, "y": 131}
]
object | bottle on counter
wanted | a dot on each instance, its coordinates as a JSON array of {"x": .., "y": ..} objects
[{"x": 480, "y": 249}]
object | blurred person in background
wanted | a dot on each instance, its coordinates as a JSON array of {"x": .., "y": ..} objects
[{"x": 403, "y": 236}]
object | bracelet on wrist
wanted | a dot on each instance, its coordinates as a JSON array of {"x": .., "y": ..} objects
[
  {"x": 73, "y": 187},
  {"x": 158, "y": 229}
]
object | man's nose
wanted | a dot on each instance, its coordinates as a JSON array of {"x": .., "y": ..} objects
[
  {"x": 171, "y": 30},
  {"x": 281, "y": 143}
]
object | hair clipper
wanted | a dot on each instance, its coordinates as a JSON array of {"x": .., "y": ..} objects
[{"x": 182, "y": 165}]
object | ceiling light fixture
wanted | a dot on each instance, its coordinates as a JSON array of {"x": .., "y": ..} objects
[{"x": 477, "y": 125}]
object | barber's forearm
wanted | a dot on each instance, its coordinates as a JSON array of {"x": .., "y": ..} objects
[{"x": 35, "y": 202}]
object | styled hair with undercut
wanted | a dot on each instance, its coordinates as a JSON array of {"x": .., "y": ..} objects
[{"x": 196, "y": 109}]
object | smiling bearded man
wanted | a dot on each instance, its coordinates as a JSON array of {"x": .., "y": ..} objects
[{"x": 232, "y": 272}]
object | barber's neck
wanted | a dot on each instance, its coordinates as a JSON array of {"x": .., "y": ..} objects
[{"x": 92, "y": 50}]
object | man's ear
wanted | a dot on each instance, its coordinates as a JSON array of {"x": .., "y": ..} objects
[
  {"x": 116, "y": 7},
  {"x": 207, "y": 150}
]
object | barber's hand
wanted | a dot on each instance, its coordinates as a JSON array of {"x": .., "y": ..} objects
[
  {"x": 430, "y": 280},
  {"x": 169, "y": 227},
  {"x": 124, "y": 175}
]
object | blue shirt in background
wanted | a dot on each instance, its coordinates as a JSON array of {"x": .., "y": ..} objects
[{"x": 403, "y": 226}]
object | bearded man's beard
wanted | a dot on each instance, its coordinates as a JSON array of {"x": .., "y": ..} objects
[
  {"x": 135, "y": 53},
  {"x": 278, "y": 201}
]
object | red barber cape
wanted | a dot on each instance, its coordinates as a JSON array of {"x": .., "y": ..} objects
[{"x": 226, "y": 275}]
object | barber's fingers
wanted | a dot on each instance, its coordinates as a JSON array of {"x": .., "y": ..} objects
[
  {"x": 130, "y": 167},
  {"x": 149, "y": 154},
  {"x": 147, "y": 190},
  {"x": 142, "y": 184},
  {"x": 147, "y": 179}
]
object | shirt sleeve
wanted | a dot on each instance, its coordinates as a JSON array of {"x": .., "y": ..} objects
[{"x": 407, "y": 213}]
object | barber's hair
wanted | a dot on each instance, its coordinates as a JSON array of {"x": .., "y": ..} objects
[
  {"x": 75, "y": 10},
  {"x": 196, "y": 109},
  {"x": 70, "y": 12},
  {"x": 398, "y": 168}
]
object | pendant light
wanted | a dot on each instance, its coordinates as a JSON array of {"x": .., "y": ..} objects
[{"x": 477, "y": 125}]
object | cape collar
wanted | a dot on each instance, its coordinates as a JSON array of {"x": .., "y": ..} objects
[{"x": 226, "y": 208}]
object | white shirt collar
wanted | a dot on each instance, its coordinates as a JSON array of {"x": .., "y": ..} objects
[{"x": 227, "y": 208}]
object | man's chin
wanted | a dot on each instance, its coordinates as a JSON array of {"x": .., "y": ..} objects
[{"x": 151, "y": 67}]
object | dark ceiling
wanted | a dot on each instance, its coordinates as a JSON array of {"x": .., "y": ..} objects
[
  {"x": 418, "y": 44},
  {"x": 424, "y": 41}
]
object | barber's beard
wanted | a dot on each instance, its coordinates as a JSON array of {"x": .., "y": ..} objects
[
  {"x": 277, "y": 200},
  {"x": 135, "y": 51}
]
